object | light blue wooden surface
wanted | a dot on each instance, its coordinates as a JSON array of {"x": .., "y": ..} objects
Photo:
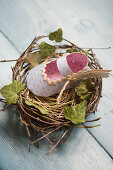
[{"x": 86, "y": 23}]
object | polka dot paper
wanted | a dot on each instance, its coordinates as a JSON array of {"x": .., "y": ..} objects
[{"x": 48, "y": 78}]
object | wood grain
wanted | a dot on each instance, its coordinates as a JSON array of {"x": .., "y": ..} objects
[{"x": 87, "y": 24}]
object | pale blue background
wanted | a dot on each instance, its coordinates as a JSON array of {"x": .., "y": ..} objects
[{"x": 87, "y": 23}]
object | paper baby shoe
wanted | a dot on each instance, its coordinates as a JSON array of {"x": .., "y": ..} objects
[{"x": 48, "y": 79}]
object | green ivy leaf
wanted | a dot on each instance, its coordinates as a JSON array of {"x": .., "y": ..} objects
[
  {"x": 43, "y": 111},
  {"x": 57, "y": 35},
  {"x": 84, "y": 89},
  {"x": 72, "y": 51},
  {"x": 34, "y": 59},
  {"x": 86, "y": 52},
  {"x": 76, "y": 113},
  {"x": 46, "y": 49},
  {"x": 10, "y": 92}
]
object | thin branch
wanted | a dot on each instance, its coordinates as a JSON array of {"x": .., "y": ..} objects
[
  {"x": 61, "y": 92},
  {"x": 93, "y": 120},
  {"x": 8, "y": 60},
  {"x": 57, "y": 142}
]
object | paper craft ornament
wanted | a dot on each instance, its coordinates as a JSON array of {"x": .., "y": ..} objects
[
  {"x": 48, "y": 79},
  {"x": 58, "y": 114}
]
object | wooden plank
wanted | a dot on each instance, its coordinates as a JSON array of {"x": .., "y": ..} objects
[
  {"x": 82, "y": 23},
  {"x": 80, "y": 152},
  {"x": 88, "y": 25}
]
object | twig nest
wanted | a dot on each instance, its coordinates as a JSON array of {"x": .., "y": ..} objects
[
  {"x": 57, "y": 69},
  {"x": 48, "y": 79}
]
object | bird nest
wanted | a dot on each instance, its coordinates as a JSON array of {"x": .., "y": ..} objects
[{"x": 45, "y": 126}]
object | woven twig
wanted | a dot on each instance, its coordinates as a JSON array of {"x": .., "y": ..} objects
[{"x": 37, "y": 124}]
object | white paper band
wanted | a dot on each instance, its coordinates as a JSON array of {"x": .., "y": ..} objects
[{"x": 63, "y": 67}]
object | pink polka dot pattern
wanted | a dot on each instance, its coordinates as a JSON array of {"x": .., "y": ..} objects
[
  {"x": 52, "y": 72},
  {"x": 77, "y": 61}
]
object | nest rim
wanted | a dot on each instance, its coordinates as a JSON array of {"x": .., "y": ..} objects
[{"x": 48, "y": 126}]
